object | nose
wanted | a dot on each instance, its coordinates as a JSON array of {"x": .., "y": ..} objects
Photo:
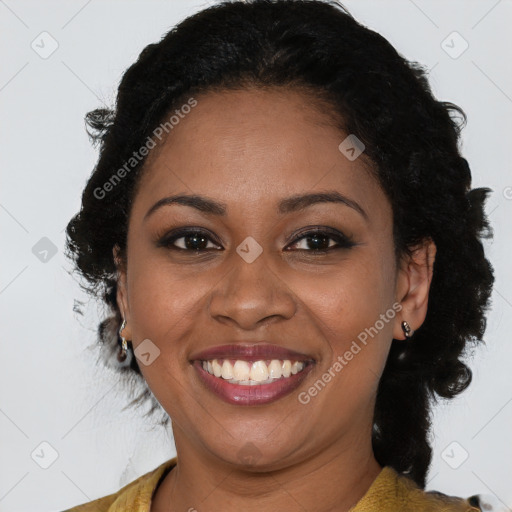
[{"x": 251, "y": 295}]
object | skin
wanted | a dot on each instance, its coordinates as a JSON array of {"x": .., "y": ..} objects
[{"x": 249, "y": 149}]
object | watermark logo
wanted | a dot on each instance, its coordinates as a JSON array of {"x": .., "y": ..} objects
[
  {"x": 146, "y": 352},
  {"x": 44, "y": 455},
  {"x": 44, "y": 250},
  {"x": 304, "y": 397},
  {"x": 454, "y": 45},
  {"x": 351, "y": 147},
  {"x": 249, "y": 454},
  {"x": 249, "y": 249},
  {"x": 45, "y": 45},
  {"x": 455, "y": 455}
]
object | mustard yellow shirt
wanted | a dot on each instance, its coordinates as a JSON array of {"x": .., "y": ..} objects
[{"x": 390, "y": 492}]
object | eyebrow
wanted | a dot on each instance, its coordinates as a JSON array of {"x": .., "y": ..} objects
[{"x": 289, "y": 205}]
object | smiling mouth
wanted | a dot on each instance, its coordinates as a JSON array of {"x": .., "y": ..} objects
[
  {"x": 247, "y": 373},
  {"x": 241, "y": 382}
]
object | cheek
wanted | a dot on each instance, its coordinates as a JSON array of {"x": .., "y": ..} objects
[
  {"x": 163, "y": 305},
  {"x": 353, "y": 312},
  {"x": 350, "y": 298},
  {"x": 163, "y": 309}
]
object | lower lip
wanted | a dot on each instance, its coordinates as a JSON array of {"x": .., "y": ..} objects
[{"x": 258, "y": 394}]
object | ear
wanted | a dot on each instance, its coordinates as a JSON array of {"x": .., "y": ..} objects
[
  {"x": 122, "y": 295},
  {"x": 413, "y": 285}
]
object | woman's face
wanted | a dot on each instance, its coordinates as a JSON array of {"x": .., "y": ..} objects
[{"x": 254, "y": 280}]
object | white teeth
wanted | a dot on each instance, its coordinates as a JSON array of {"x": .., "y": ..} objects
[
  {"x": 227, "y": 370},
  {"x": 295, "y": 367},
  {"x": 259, "y": 371},
  {"x": 286, "y": 367},
  {"x": 274, "y": 369},
  {"x": 251, "y": 374},
  {"x": 217, "y": 369},
  {"x": 241, "y": 370}
]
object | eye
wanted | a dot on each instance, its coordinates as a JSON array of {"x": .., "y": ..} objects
[
  {"x": 188, "y": 240},
  {"x": 320, "y": 240},
  {"x": 317, "y": 241}
]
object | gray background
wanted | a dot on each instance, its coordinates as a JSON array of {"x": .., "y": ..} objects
[{"x": 51, "y": 389}]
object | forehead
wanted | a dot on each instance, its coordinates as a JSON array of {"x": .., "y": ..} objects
[{"x": 254, "y": 147}]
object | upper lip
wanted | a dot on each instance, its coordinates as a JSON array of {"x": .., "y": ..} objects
[{"x": 249, "y": 352}]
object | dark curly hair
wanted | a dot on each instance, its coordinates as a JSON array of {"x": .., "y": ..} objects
[{"x": 410, "y": 137}]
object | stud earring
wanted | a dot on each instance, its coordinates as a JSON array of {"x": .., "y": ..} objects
[
  {"x": 121, "y": 356},
  {"x": 407, "y": 329}
]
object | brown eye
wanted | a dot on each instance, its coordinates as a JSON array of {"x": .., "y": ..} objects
[
  {"x": 188, "y": 240},
  {"x": 321, "y": 241}
]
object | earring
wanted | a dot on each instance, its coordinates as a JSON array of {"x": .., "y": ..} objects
[
  {"x": 121, "y": 355},
  {"x": 407, "y": 329}
]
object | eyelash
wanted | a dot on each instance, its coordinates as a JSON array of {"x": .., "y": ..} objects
[{"x": 343, "y": 242}]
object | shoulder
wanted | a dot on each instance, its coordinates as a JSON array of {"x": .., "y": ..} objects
[
  {"x": 138, "y": 492},
  {"x": 394, "y": 492},
  {"x": 488, "y": 502},
  {"x": 422, "y": 500}
]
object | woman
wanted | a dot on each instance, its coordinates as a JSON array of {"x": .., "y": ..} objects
[{"x": 284, "y": 229}]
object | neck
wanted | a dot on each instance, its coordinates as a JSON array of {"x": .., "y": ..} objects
[{"x": 333, "y": 480}]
